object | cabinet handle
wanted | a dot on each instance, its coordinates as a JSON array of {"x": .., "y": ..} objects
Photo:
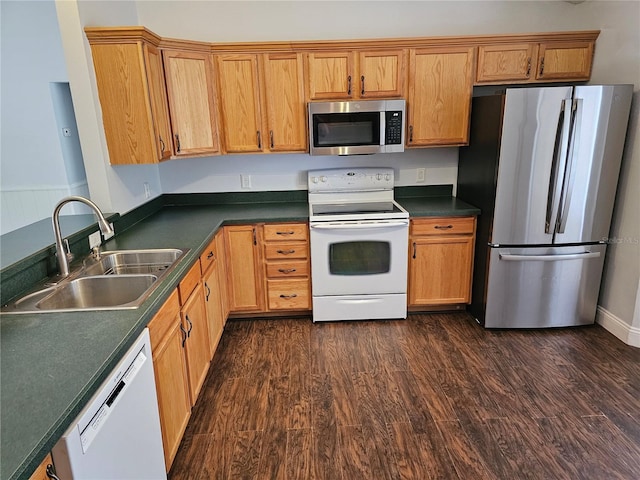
[
  {"x": 255, "y": 240},
  {"x": 184, "y": 335},
  {"x": 161, "y": 143},
  {"x": 362, "y": 83},
  {"x": 541, "y": 66},
  {"x": 271, "y": 137},
  {"x": 349, "y": 85},
  {"x": 51, "y": 472},
  {"x": 410, "y": 133},
  {"x": 414, "y": 250},
  {"x": 443, "y": 227},
  {"x": 286, "y": 252},
  {"x": 208, "y": 291},
  {"x": 177, "y": 143},
  {"x": 210, "y": 255},
  {"x": 190, "y": 325},
  {"x": 528, "y": 67},
  {"x": 293, "y": 295},
  {"x": 286, "y": 270},
  {"x": 259, "y": 140},
  {"x": 290, "y": 232}
]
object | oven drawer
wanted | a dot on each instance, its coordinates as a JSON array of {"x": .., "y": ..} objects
[
  {"x": 295, "y": 268},
  {"x": 286, "y": 231},
  {"x": 443, "y": 225},
  {"x": 288, "y": 294},
  {"x": 286, "y": 250}
]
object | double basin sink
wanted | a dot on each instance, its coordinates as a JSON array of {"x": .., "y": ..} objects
[{"x": 121, "y": 279}]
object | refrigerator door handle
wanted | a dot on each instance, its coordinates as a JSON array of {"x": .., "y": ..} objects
[
  {"x": 567, "y": 187},
  {"x": 548, "y": 258},
  {"x": 559, "y": 152}
]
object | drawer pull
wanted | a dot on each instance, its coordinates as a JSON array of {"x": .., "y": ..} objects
[
  {"x": 290, "y": 232},
  {"x": 286, "y": 270},
  {"x": 293, "y": 295},
  {"x": 443, "y": 227},
  {"x": 210, "y": 255},
  {"x": 286, "y": 252}
]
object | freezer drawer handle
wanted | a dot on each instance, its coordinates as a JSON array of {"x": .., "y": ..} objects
[{"x": 548, "y": 258}]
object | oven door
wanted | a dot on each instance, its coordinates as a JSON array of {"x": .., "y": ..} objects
[{"x": 359, "y": 257}]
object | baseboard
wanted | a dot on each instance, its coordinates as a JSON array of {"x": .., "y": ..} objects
[{"x": 616, "y": 326}]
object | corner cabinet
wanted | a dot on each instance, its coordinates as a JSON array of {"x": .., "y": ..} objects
[
  {"x": 133, "y": 99},
  {"x": 190, "y": 88},
  {"x": 440, "y": 261},
  {"x": 440, "y": 90}
]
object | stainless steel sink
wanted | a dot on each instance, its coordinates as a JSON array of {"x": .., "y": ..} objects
[{"x": 120, "y": 279}]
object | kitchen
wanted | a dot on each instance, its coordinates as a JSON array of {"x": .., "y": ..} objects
[{"x": 120, "y": 188}]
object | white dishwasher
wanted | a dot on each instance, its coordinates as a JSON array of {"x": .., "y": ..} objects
[{"x": 117, "y": 436}]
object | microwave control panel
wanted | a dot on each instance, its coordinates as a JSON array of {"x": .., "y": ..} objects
[{"x": 393, "y": 128}]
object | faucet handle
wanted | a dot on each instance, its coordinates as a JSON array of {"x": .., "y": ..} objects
[{"x": 68, "y": 253}]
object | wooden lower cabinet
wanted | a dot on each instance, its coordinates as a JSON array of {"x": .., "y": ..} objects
[
  {"x": 244, "y": 268},
  {"x": 172, "y": 383},
  {"x": 441, "y": 261},
  {"x": 210, "y": 266},
  {"x": 198, "y": 352}
]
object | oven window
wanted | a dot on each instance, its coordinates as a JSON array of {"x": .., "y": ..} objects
[
  {"x": 359, "y": 258},
  {"x": 345, "y": 129}
]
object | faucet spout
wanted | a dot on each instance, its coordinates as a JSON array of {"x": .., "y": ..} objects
[{"x": 61, "y": 253}]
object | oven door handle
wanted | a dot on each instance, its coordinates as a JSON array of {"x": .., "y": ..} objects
[{"x": 337, "y": 226}]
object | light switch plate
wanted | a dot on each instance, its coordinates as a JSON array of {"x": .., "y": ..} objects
[{"x": 95, "y": 240}]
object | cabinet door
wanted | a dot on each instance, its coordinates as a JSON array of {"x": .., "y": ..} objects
[
  {"x": 170, "y": 368},
  {"x": 382, "y": 74},
  {"x": 244, "y": 269},
  {"x": 194, "y": 321},
  {"x": 506, "y": 63},
  {"x": 191, "y": 102},
  {"x": 330, "y": 75},
  {"x": 440, "y": 88},
  {"x": 159, "y": 101},
  {"x": 213, "y": 304},
  {"x": 564, "y": 61},
  {"x": 240, "y": 104},
  {"x": 283, "y": 95},
  {"x": 440, "y": 270}
]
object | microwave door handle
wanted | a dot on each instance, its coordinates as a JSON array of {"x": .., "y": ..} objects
[{"x": 382, "y": 127}]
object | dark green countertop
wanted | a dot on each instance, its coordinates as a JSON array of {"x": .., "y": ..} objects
[{"x": 53, "y": 363}]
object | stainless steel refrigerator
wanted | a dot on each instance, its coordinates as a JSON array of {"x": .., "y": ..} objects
[{"x": 542, "y": 164}]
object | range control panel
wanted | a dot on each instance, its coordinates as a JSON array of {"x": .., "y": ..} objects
[{"x": 350, "y": 179}]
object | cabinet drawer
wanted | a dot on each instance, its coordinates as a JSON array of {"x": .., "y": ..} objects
[
  {"x": 443, "y": 225},
  {"x": 164, "y": 320},
  {"x": 288, "y": 294},
  {"x": 286, "y": 231},
  {"x": 286, "y": 250},
  {"x": 189, "y": 282},
  {"x": 208, "y": 257},
  {"x": 296, "y": 268}
]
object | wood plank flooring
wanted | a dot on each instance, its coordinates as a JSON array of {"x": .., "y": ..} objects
[{"x": 430, "y": 397}]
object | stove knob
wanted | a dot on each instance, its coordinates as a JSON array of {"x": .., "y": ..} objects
[
  {"x": 314, "y": 179},
  {"x": 387, "y": 177},
  {"x": 379, "y": 176},
  {"x": 323, "y": 179}
]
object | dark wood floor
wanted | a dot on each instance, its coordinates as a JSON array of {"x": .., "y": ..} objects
[{"x": 431, "y": 397}]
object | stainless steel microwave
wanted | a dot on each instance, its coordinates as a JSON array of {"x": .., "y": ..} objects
[{"x": 356, "y": 127}]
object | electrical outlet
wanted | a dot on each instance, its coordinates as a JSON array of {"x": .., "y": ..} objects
[
  {"x": 245, "y": 181},
  {"x": 95, "y": 240},
  {"x": 420, "y": 175},
  {"x": 147, "y": 190}
]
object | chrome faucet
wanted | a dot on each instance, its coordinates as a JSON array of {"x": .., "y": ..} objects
[{"x": 64, "y": 256}]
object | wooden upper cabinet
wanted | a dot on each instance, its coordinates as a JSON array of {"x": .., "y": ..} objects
[
  {"x": 190, "y": 87},
  {"x": 133, "y": 100},
  {"x": 534, "y": 62},
  {"x": 240, "y": 102},
  {"x": 506, "y": 63},
  {"x": 381, "y": 74},
  {"x": 440, "y": 89},
  {"x": 283, "y": 93},
  {"x": 565, "y": 61},
  {"x": 330, "y": 75}
]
